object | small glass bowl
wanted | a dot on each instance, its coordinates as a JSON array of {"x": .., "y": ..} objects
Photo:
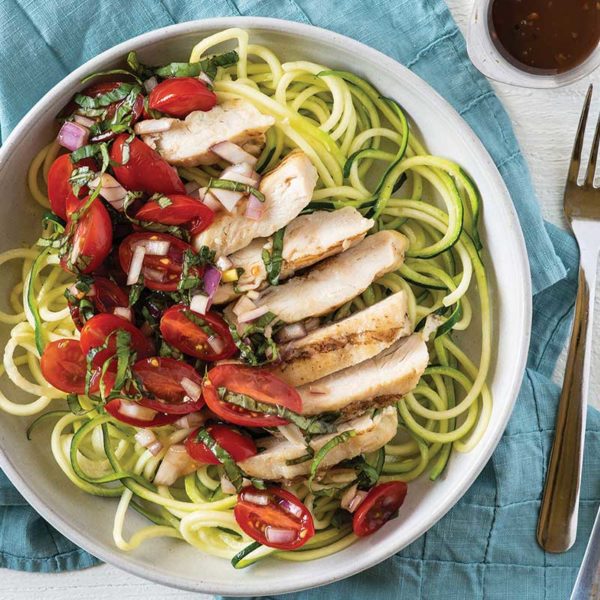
[{"x": 486, "y": 56}]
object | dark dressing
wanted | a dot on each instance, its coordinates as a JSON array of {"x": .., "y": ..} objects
[{"x": 548, "y": 35}]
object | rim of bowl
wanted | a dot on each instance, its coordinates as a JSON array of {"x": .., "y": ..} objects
[{"x": 385, "y": 549}]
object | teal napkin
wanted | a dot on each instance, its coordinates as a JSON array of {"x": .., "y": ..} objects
[{"x": 485, "y": 547}]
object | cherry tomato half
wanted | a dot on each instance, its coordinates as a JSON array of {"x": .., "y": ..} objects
[
  {"x": 145, "y": 170},
  {"x": 98, "y": 328},
  {"x": 160, "y": 272},
  {"x": 107, "y": 296},
  {"x": 274, "y": 517},
  {"x": 183, "y": 210},
  {"x": 189, "y": 332},
  {"x": 113, "y": 408},
  {"x": 162, "y": 378},
  {"x": 239, "y": 445},
  {"x": 63, "y": 366},
  {"x": 380, "y": 505},
  {"x": 258, "y": 384},
  {"x": 59, "y": 188},
  {"x": 180, "y": 96},
  {"x": 91, "y": 237}
]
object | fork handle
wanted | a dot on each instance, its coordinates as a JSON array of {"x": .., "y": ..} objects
[{"x": 557, "y": 525}]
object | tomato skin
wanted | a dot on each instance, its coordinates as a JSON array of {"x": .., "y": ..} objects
[
  {"x": 186, "y": 336},
  {"x": 180, "y": 96},
  {"x": 93, "y": 233},
  {"x": 237, "y": 444},
  {"x": 172, "y": 271},
  {"x": 161, "y": 376},
  {"x": 145, "y": 170},
  {"x": 59, "y": 188},
  {"x": 183, "y": 210},
  {"x": 97, "y": 329},
  {"x": 113, "y": 409},
  {"x": 108, "y": 296},
  {"x": 259, "y": 384},
  {"x": 254, "y": 518},
  {"x": 63, "y": 366},
  {"x": 380, "y": 505}
]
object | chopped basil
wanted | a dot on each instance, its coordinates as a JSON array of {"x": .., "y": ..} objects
[
  {"x": 53, "y": 230},
  {"x": 300, "y": 459},
  {"x": 162, "y": 200},
  {"x": 200, "y": 322},
  {"x": 107, "y": 98},
  {"x": 235, "y": 186},
  {"x": 134, "y": 293},
  {"x": 208, "y": 65},
  {"x": 341, "y": 438},
  {"x": 255, "y": 347},
  {"x": 81, "y": 177},
  {"x": 111, "y": 72},
  {"x": 274, "y": 260},
  {"x": 74, "y": 405},
  {"x": 233, "y": 472}
]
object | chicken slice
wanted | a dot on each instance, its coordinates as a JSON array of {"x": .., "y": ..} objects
[
  {"x": 336, "y": 280},
  {"x": 345, "y": 343},
  {"x": 288, "y": 189},
  {"x": 372, "y": 433},
  {"x": 307, "y": 240},
  {"x": 396, "y": 371},
  {"x": 188, "y": 141}
]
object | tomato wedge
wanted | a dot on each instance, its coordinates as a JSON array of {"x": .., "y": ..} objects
[
  {"x": 274, "y": 517},
  {"x": 239, "y": 445},
  {"x": 182, "y": 210},
  {"x": 107, "y": 296},
  {"x": 380, "y": 505},
  {"x": 258, "y": 384},
  {"x": 113, "y": 408},
  {"x": 99, "y": 327},
  {"x": 160, "y": 273},
  {"x": 59, "y": 188},
  {"x": 91, "y": 237},
  {"x": 203, "y": 336},
  {"x": 162, "y": 378},
  {"x": 146, "y": 170},
  {"x": 180, "y": 96}
]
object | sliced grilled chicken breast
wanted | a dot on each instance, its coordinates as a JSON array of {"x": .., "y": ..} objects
[
  {"x": 372, "y": 433},
  {"x": 336, "y": 280},
  {"x": 345, "y": 343},
  {"x": 288, "y": 189},
  {"x": 187, "y": 142},
  {"x": 307, "y": 240},
  {"x": 396, "y": 371}
]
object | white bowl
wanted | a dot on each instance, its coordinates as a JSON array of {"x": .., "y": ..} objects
[{"x": 87, "y": 520}]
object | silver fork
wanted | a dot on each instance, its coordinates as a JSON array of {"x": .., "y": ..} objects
[{"x": 557, "y": 525}]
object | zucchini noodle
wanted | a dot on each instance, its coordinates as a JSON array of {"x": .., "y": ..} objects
[{"x": 367, "y": 157}]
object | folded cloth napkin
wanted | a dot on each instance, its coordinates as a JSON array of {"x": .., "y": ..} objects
[{"x": 485, "y": 547}]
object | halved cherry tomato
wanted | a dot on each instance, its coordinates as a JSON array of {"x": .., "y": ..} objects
[
  {"x": 98, "y": 328},
  {"x": 146, "y": 170},
  {"x": 160, "y": 273},
  {"x": 162, "y": 378},
  {"x": 180, "y": 96},
  {"x": 107, "y": 296},
  {"x": 59, "y": 188},
  {"x": 258, "y": 384},
  {"x": 91, "y": 237},
  {"x": 183, "y": 210},
  {"x": 274, "y": 517},
  {"x": 113, "y": 408},
  {"x": 178, "y": 328},
  {"x": 239, "y": 445},
  {"x": 380, "y": 505}
]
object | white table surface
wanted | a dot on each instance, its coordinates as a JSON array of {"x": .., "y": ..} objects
[{"x": 545, "y": 122}]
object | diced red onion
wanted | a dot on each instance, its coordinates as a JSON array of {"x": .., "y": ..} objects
[
  {"x": 292, "y": 434},
  {"x": 233, "y": 174},
  {"x": 227, "y": 198},
  {"x": 251, "y": 315},
  {"x": 154, "y": 274},
  {"x": 254, "y": 208},
  {"x": 258, "y": 499},
  {"x": 135, "y": 411},
  {"x": 216, "y": 344},
  {"x": 124, "y": 312},
  {"x": 253, "y": 294},
  {"x": 147, "y": 438},
  {"x": 76, "y": 250},
  {"x": 295, "y": 331},
  {"x": 200, "y": 303},
  {"x": 233, "y": 153},
  {"x": 191, "y": 187},
  {"x": 311, "y": 324},
  {"x": 85, "y": 121},
  {"x": 150, "y": 83},
  {"x": 211, "y": 279},
  {"x": 111, "y": 190},
  {"x": 192, "y": 389},
  {"x": 73, "y": 135},
  {"x": 209, "y": 200},
  {"x": 177, "y": 462},
  {"x": 223, "y": 263},
  {"x": 157, "y": 247},
  {"x": 226, "y": 486},
  {"x": 135, "y": 268},
  {"x": 277, "y": 535},
  {"x": 357, "y": 500},
  {"x": 318, "y": 389},
  {"x": 291, "y": 507},
  {"x": 152, "y": 126},
  {"x": 190, "y": 421},
  {"x": 243, "y": 305},
  {"x": 204, "y": 77}
]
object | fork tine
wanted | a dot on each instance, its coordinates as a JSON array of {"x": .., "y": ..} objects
[
  {"x": 576, "y": 156},
  {"x": 591, "y": 170}
]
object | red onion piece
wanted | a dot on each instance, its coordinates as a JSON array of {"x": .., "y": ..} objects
[
  {"x": 295, "y": 331},
  {"x": 212, "y": 278},
  {"x": 277, "y": 535},
  {"x": 233, "y": 153},
  {"x": 252, "y": 315},
  {"x": 192, "y": 389},
  {"x": 217, "y": 345},
  {"x": 200, "y": 303},
  {"x": 243, "y": 305},
  {"x": 227, "y": 198},
  {"x": 152, "y": 126},
  {"x": 190, "y": 421},
  {"x": 124, "y": 312},
  {"x": 135, "y": 411},
  {"x": 210, "y": 201},
  {"x": 85, "y": 121},
  {"x": 254, "y": 208},
  {"x": 224, "y": 264},
  {"x": 258, "y": 499},
  {"x": 191, "y": 187},
  {"x": 135, "y": 268},
  {"x": 177, "y": 462},
  {"x": 73, "y": 135},
  {"x": 150, "y": 83}
]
